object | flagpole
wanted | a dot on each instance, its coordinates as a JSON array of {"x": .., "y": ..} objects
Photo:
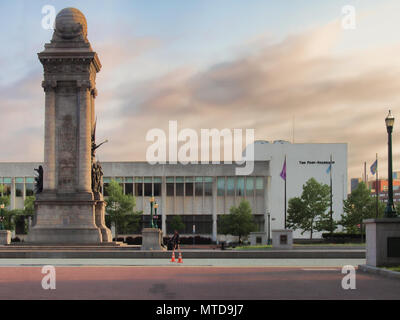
[
  {"x": 331, "y": 213},
  {"x": 285, "y": 188},
  {"x": 376, "y": 187}
]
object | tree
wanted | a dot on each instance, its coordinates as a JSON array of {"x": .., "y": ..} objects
[
  {"x": 239, "y": 222},
  {"x": 120, "y": 208},
  {"x": 29, "y": 206},
  {"x": 177, "y": 224},
  {"x": 308, "y": 212},
  {"x": 359, "y": 205}
]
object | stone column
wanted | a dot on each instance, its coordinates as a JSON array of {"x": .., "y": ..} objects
[
  {"x": 85, "y": 115},
  {"x": 267, "y": 207},
  {"x": 214, "y": 209},
  {"x": 49, "y": 168}
]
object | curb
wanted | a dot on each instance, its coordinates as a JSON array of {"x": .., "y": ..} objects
[
  {"x": 375, "y": 270},
  {"x": 139, "y": 254}
]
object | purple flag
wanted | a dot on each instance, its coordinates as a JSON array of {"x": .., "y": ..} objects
[{"x": 283, "y": 173}]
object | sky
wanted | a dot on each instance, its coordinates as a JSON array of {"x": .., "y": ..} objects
[{"x": 287, "y": 69}]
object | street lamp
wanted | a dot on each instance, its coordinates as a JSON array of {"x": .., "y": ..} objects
[
  {"x": 155, "y": 213},
  {"x": 269, "y": 228},
  {"x": 1, "y": 216},
  {"x": 151, "y": 212},
  {"x": 390, "y": 211}
]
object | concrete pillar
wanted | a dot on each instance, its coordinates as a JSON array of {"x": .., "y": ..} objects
[
  {"x": 267, "y": 207},
  {"x": 49, "y": 167},
  {"x": 214, "y": 209},
  {"x": 85, "y": 112},
  {"x": 12, "y": 194},
  {"x": 164, "y": 206}
]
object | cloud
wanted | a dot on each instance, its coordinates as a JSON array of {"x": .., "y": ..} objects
[{"x": 333, "y": 97}]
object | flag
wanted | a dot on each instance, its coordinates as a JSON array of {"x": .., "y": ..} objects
[
  {"x": 329, "y": 168},
  {"x": 283, "y": 173},
  {"x": 374, "y": 166}
]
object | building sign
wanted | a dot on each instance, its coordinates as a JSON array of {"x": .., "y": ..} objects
[{"x": 315, "y": 162}]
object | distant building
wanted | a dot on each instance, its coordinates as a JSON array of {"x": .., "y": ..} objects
[{"x": 201, "y": 193}]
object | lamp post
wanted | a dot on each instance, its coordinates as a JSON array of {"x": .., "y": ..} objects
[
  {"x": 151, "y": 212},
  {"x": 155, "y": 213},
  {"x": 390, "y": 211},
  {"x": 1, "y": 216},
  {"x": 269, "y": 228}
]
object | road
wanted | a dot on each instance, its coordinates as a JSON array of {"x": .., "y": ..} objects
[{"x": 217, "y": 280}]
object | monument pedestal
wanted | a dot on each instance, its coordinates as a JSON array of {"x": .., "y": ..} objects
[
  {"x": 5, "y": 237},
  {"x": 282, "y": 239},
  {"x": 383, "y": 241},
  {"x": 69, "y": 219},
  {"x": 151, "y": 239},
  {"x": 258, "y": 238}
]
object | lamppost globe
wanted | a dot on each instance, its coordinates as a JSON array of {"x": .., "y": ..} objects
[{"x": 389, "y": 121}]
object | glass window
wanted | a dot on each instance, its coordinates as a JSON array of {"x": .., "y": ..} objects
[
  {"x": 148, "y": 189},
  {"x": 208, "y": 189},
  {"x": 105, "y": 185},
  {"x": 259, "y": 186},
  {"x": 221, "y": 186},
  {"x": 199, "y": 187},
  {"x": 106, "y": 179},
  {"x": 249, "y": 187},
  {"x": 138, "y": 189},
  {"x": 157, "y": 180},
  {"x": 170, "y": 179},
  {"x": 189, "y": 187},
  {"x": 157, "y": 189},
  {"x": 170, "y": 189},
  {"x": 129, "y": 188},
  {"x": 30, "y": 189},
  {"x": 128, "y": 179},
  {"x": 19, "y": 189},
  {"x": 179, "y": 187},
  {"x": 230, "y": 186},
  {"x": 19, "y": 180},
  {"x": 138, "y": 179},
  {"x": 240, "y": 186}
]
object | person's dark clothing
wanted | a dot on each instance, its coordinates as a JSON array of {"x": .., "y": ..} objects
[{"x": 175, "y": 240}]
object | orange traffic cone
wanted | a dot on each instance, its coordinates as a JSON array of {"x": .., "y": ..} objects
[
  {"x": 173, "y": 256},
  {"x": 180, "y": 257}
]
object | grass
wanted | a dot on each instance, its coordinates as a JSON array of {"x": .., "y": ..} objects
[
  {"x": 393, "y": 268},
  {"x": 265, "y": 247}
]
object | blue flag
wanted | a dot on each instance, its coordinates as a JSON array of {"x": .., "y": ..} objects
[
  {"x": 329, "y": 168},
  {"x": 374, "y": 166}
]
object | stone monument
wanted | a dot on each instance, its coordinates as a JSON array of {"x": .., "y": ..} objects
[
  {"x": 282, "y": 239},
  {"x": 69, "y": 206},
  {"x": 382, "y": 242}
]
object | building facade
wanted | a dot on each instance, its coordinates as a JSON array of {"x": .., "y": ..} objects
[{"x": 201, "y": 193}]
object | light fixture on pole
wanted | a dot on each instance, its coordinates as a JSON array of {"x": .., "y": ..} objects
[
  {"x": 390, "y": 210},
  {"x": 155, "y": 214},
  {"x": 151, "y": 212}
]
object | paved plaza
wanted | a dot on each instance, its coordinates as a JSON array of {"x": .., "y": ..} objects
[{"x": 194, "y": 279}]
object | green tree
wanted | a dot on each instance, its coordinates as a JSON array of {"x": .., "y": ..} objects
[
  {"x": 359, "y": 205},
  {"x": 120, "y": 209},
  {"x": 239, "y": 222},
  {"x": 29, "y": 206},
  {"x": 308, "y": 212},
  {"x": 177, "y": 224}
]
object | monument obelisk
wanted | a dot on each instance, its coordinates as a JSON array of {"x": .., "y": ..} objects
[{"x": 70, "y": 207}]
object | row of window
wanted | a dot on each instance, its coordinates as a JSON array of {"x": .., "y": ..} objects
[
  {"x": 191, "y": 186},
  {"x": 5, "y": 186},
  {"x": 148, "y": 186}
]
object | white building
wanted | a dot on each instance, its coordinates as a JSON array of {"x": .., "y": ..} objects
[{"x": 200, "y": 193}]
